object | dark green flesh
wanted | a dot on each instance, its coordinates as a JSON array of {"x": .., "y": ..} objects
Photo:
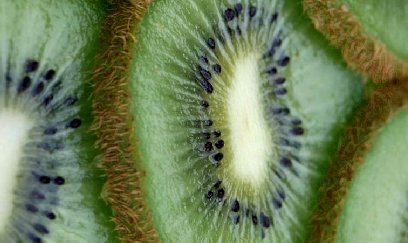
[
  {"x": 46, "y": 64},
  {"x": 180, "y": 109}
]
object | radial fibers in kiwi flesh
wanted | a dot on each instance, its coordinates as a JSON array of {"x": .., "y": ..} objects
[
  {"x": 49, "y": 185},
  {"x": 238, "y": 105},
  {"x": 365, "y": 193},
  {"x": 371, "y": 34}
]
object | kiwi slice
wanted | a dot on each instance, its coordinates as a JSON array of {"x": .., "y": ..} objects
[
  {"x": 238, "y": 105},
  {"x": 371, "y": 34},
  {"x": 49, "y": 182},
  {"x": 112, "y": 123},
  {"x": 365, "y": 193}
]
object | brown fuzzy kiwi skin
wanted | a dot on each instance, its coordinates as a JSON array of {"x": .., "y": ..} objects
[
  {"x": 114, "y": 127},
  {"x": 381, "y": 106},
  {"x": 362, "y": 52}
]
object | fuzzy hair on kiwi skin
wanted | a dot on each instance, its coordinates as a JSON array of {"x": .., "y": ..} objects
[
  {"x": 112, "y": 124},
  {"x": 381, "y": 105},
  {"x": 362, "y": 52}
]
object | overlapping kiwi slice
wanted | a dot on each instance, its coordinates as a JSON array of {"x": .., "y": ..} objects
[
  {"x": 365, "y": 193},
  {"x": 372, "y": 35},
  {"x": 49, "y": 183},
  {"x": 238, "y": 105}
]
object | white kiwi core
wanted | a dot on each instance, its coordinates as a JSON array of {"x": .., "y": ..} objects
[
  {"x": 252, "y": 143},
  {"x": 14, "y": 129}
]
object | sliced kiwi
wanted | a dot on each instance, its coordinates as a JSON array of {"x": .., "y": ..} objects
[
  {"x": 238, "y": 105},
  {"x": 371, "y": 34},
  {"x": 365, "y": 193},
  {"x": 112, "y": 123},
  {"x": 49, "y": 182}
]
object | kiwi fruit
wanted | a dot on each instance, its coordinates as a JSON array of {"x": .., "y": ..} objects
[
  {"x": 364, "y": 195},
  {"x": 50, "y": 186},
  {"x": 237, "y": 106},
  {"x": 113, "y": 123},
  {"x": 371, "y": 34}
]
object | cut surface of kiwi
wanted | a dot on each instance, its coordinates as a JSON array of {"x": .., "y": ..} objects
[
  {"x": 237, "y": 107},
  {"x": 364, "y": 195},
  {"x": 371, "y": 34},
  {"x": 50, "y": 186}
]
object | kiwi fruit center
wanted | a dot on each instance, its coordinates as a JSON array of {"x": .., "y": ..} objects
[{"x": 235, "y": 118}]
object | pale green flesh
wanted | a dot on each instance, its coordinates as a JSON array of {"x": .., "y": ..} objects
[
  {"x": 376, "y": 205},
  {"x": 385, "y": 21},
  {"x": 62, "y": 36},
  {"x": 321, "y": 91}
]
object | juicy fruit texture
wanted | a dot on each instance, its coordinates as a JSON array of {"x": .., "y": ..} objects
[
  {"x": 235, "y": 118},
  {"x": 371, "y": 34},
  {"x": 49, "y": 184},
  {"x": 366, "y": 182}
]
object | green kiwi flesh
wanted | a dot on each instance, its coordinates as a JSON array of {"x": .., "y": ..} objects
[
  {"x": 362, "y": 184},
  {"x": 371, "y": 34},
  {"x": 238, "y": 105},
  {"x": 50, "y": 186},
  {"x": 376, "y": 203}
]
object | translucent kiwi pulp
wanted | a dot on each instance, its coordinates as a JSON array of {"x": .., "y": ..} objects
[
  {"x": 371, "y": 34},
  {"x": 237, "y": 108},
  {"x": 49, "y": 185},
  {"x": 364, "y": 195}
]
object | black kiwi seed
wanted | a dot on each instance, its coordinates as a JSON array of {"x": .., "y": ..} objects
[
  {"x": 238, "y": 8},
  {"x": 206, "y": 75},
  {"x": 50, "y": 131},
  {"x": 34, "y": 239},
  {"x": 204, "y": 104},
  {"x": 217, "y": 184},
  {"x": 273, "y": 18},
  {"x": 31, "y": 208},
  {"x": 31, "y": 66},
  {"x": 37, "y": 195},
  {"x": 44, "y": 179},
  {"x": 207, "y": 86},
  {"x": 75, "y": 123},
  {"x": 219, "y": 144},
  {"x": 49, "y": 75},
  {"x": 59, "y": 180},
  {"x": 217, "y": 133},
  {"x": 277, "y": 203},
  {"x": 281, "y": 91},
  {"x": 24, "y": 84},
  {"x": 284, "y": 61},
  {"x": 265, "y": 220},
  {"x": 208, "y": 146},
  {"x": 236, "y": 219},
  {"x": 38, "y": 89},
  {"x": 217, "y": 68},
  {"x": 297, "y": 131},
  {"x": 252, "y": 11},
  {"x": 209, "y": 194},
  {"x": 285, "y": 162},
  {"x": 211, "y": 43},
  {"x": 235, "y": 206},
  {"x": 218, "y": 156},
  {"x": 220, "y": 193},
  {"x": 272, "y": 70},
  {"x": 50, "y": 215},
  {"x": 254, "y": 220},
  {"x": 41, "y": 228},
  {"x": 229, "y": 14},
  {"x": 280, "y": 80}
]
